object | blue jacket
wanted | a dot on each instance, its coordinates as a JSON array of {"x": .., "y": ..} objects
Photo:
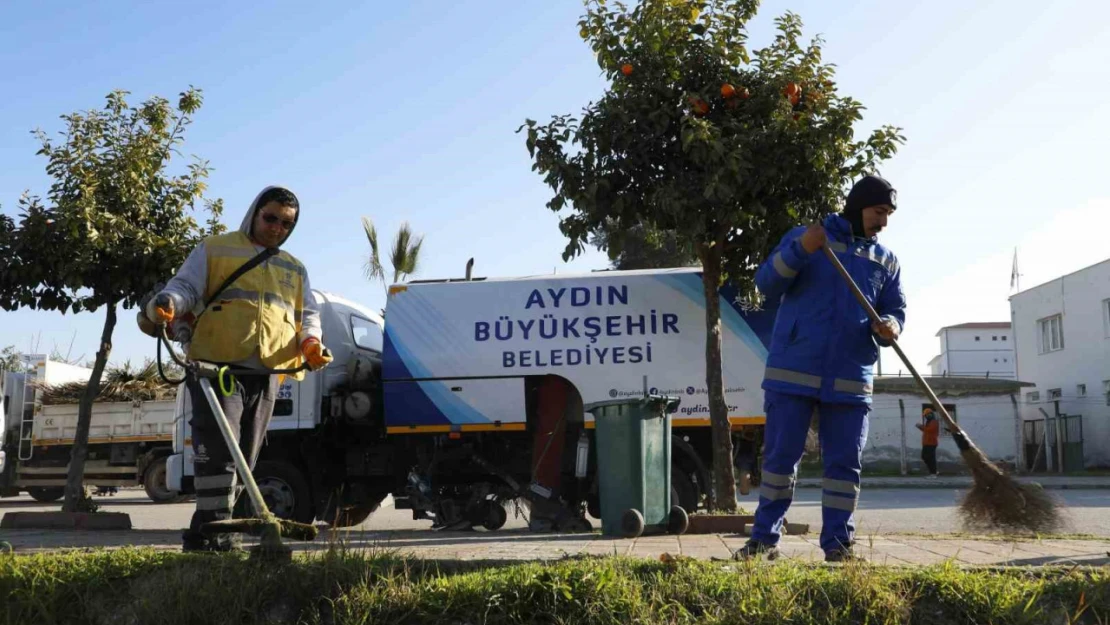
[{"x": 822, "y": 344}]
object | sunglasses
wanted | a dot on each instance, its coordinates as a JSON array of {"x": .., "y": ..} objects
[{"x": 273, "y": 219}]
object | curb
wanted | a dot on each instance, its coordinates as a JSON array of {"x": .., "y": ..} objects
[{"x": 66, "y": 520}]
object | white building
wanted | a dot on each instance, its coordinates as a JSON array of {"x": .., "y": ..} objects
[
  {"x": 982, "y": 350},
  {"x": 1062, "y": 336},
  {"x": 988, "y": 409}
]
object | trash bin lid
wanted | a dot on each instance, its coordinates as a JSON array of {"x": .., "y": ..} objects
[{"x": 670, "y": 401}]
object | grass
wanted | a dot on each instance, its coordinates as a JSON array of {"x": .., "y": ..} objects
[{"x": 145, "y": 586}]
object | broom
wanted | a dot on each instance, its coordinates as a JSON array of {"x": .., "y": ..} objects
[{"x": 995, "y": 499}]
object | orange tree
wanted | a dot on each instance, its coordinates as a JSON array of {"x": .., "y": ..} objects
[
  {"x": 115, "y": 224},
  {"x": 698, "y": 136}
]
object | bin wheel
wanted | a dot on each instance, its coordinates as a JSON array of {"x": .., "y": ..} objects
[
  {"x": 632, "y": 523},
  {"x": 678, "y": 521}
]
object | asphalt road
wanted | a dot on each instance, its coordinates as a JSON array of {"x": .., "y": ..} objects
[{"x": 881, "y": 511}]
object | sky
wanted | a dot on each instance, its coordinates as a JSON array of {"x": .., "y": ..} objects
[{"x": 408, "y": 111}]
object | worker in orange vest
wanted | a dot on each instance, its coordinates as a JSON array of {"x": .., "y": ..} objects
[{"x": 930, "y": 433}]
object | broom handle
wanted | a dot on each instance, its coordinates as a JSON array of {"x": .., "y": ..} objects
[{"x": 952, "y": 427}]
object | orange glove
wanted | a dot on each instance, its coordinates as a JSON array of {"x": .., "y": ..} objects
[
  {"x": 160, "y": 309},
  {"x": 315, "y": 354}
]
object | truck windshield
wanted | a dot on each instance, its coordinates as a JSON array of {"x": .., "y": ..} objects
[{"x": 367, "y": 334}]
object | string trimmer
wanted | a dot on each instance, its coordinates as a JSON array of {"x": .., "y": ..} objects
[
  {"x": 995, "y": 499},
  {"x": 268, "y": 527}
]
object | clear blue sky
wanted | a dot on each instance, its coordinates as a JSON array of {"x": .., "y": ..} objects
[{"x": 407, "y": 111}]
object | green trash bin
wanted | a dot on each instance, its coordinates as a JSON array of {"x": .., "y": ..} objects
[{"x": 633, "y": 439}]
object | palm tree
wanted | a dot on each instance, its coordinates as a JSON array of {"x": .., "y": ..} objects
[{"x": 404, "y": 257}]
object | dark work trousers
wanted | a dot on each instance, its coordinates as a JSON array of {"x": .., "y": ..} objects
[
  {"x": 248, "y": 411},
  {"x": 929, "y": 455}
]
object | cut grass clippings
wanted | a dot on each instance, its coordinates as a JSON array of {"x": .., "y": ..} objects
[{"x": 146, "y": 586}]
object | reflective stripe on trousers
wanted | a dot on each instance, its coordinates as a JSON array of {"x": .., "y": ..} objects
[
  {"x": 775, "y": 486},
  {"x": 839, "y": 494}
]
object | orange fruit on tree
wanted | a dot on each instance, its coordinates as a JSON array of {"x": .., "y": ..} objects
[
  {"x": 626, "y": 69},
  {"x": 793, "y": 92},
  {"x": 727, "y": 91},
  {"x": 701, "y": 107},
  {"x": 744, "y": 93}
]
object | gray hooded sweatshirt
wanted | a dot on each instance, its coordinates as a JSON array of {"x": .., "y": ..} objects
[{"x": 188, "y": 286}]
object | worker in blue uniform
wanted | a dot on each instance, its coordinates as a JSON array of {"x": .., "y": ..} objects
[{"x": 823, "y": 348}]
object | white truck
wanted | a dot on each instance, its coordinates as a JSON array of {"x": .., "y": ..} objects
[
  {"x": 128, "y": 442},
  {"x": 475, "y": 391}
]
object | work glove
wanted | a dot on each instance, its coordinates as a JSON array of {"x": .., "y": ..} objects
[
  {"x": 160, "y": 309},
  {"x": 315, "y": 354}
]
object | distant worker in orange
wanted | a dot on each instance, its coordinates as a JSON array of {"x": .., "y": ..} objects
[{"x": 930, "y": 433}]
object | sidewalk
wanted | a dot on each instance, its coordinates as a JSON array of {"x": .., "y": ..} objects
[
  {"x": 516, "y": 545},
  {"x": 1050, "y": 482}
]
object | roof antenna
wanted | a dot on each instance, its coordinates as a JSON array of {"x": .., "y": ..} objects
[{"x": 469, "y": 268}]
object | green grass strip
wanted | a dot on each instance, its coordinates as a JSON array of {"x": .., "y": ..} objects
[{"x": 146, "y": 586}]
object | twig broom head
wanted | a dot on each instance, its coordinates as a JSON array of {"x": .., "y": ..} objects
[{"x": 998, "y": 501}]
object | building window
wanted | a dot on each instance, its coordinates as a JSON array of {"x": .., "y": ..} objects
[
  {"x": 1106, "y": 318},
  {"x": 1081, "y": 390},
  {"x": 1035, "y": 396},
  {"x": 1003, "y": 337},
  {"x": 994, "y": 338},
  {"x": 1052, "y": 334},
  {"x": 976, "y": 338},
  {"x": 1054, "y": 393}
]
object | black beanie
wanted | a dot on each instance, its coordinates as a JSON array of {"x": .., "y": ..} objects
[{"x": 868, "y": 191}]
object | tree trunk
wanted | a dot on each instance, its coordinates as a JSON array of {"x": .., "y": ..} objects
[
  {"x": 75, "y": 478},
  {"x": 724, "y": 495}
]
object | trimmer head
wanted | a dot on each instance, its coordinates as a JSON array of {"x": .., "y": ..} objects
[{"x": 260, "y": 527}]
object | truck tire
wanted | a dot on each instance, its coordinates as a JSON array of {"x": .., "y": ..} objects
[
  {"x": 46, "y": 494},
  {"x": 154, "y": 483},
  {"x": 284, "y": 489},
  {"x": 683, "y": 490}
]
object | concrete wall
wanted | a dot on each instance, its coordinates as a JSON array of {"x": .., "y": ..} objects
[
  {"x": 1081, "y": 300},
  {"x": 988, "y": 419}
]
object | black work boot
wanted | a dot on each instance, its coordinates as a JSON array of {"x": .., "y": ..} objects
[
  {"x": 193, "y": 541},
  {"x": 842, "y": 554},
  {"x": 753, "y": 548}
]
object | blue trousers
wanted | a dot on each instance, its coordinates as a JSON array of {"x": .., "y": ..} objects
[{"x": 843, "y": 433}]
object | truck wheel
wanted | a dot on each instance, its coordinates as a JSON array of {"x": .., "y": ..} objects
[
  {"x": 284, "y": 490},
  {"x": 683, "y": 490},
  {"x": 593, "y": 506},
  {"x": 495, "y": 516},
  {"x": 154, "y": 483},
  {"x": 46, "y": 494}
]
